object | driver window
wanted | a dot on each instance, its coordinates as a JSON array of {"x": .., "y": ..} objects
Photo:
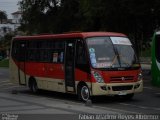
[{"x": 80, "y": 53}]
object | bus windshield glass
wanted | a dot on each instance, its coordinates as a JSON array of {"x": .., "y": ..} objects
[{"x": 111, "y": 52}]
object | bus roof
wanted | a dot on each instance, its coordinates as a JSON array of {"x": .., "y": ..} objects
[{"x": 71, "y": 35}]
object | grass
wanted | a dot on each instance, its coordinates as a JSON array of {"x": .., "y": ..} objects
[{"x": 4, "y": 63}]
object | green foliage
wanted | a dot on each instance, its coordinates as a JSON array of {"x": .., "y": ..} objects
[
  {"x": 6, "y": 41},
  {"x": 4, "y": 63},
  {"x": 136, "y": 18},
  {"x": 128, "y": 16}
]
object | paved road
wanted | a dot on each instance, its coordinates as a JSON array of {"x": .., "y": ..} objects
[
  {"x": 24, "y": 102},
  {"x": 54, "y": 103}
]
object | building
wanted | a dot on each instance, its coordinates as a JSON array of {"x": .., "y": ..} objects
[
  {"x": 11, "y": 25},
  {"x": 6, "y": 28},
  {"x": 16, "y": 17}
]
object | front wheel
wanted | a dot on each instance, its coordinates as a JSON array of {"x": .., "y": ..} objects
[{"x": 83, "y": 93}]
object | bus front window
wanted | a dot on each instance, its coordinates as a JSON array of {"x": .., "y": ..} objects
[{"x": 111, "y": 52}]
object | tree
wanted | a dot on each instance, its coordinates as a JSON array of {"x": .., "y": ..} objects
[
  {"x": 3, "y": 16},
  {"x": 136, "y": 18},
  {"x": 38, "y": 15}
]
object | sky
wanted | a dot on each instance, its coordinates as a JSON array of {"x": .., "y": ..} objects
[{"x": 9, "y": 6}]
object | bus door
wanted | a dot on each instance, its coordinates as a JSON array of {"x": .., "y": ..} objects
[
  {"x": 70, "y": 66},
  {"x": 21, "y": 66}
]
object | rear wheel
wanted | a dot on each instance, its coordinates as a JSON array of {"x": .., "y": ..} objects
[{"x": 83, "y": 93}]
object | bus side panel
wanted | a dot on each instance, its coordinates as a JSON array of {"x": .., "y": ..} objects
[
  {"x": 21, "y": 73},
  {"x": 50, "y": 84},
  {"x": 49, "y": 76},
  {"x": 55, "y": 71},
  {"x": 17, "y": 72},
  {"x": 35, "y": 69},
  {"x": 81, "y": 76},
  {"x": 48, "y": 70},
  {"x": 155, "y": 67},
  {"x": 13, "y": 72}
]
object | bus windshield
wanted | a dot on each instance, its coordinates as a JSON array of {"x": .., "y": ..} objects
[{"x": 111, "y": 52}]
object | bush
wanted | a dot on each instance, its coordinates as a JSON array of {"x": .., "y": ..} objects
[{"x": 4, "y": 63}]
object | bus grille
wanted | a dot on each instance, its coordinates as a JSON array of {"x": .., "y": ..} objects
[
  {"x": 121, "y": 79},
  {"x": 120, "y": 88}
]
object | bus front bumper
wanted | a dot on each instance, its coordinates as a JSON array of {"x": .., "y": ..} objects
[{"x": 116, "y": 88}]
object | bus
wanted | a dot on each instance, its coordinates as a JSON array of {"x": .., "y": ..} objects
[
  {"x": 84, "y": 63},
  {"x": 155, "y": 67}
]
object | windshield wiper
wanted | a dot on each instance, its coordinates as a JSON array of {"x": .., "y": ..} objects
[
  {"x": 119, "y": 57},
  {"x": 113, "y": 61}
]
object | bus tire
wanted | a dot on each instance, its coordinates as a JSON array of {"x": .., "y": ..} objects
[
  {"x": 83, "y": 93},
  {"x": 33, "y": 86}
]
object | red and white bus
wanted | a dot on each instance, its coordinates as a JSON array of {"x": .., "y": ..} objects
[{"x": 86, "y": 63}]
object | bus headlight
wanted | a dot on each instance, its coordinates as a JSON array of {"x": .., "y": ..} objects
[
  {"x": 97, "y": 77},
  {"x": 140, "y": 77}
]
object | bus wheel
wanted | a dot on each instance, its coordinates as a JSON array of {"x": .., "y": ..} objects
[
  {"x": 33, "y": 86},
  {"x": 83, "y": 93}
]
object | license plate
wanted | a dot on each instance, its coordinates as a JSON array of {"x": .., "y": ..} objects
[{"x": 122, "y": 93}]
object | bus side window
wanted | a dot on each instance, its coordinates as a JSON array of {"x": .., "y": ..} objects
[
  {"x": 58, "y": 52},
  {"x": 22, "y": 51},
  {"x": 44, "y": 55},
  {"x": 32, "y": 51},
  {"x": 32, "y": 55}
]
